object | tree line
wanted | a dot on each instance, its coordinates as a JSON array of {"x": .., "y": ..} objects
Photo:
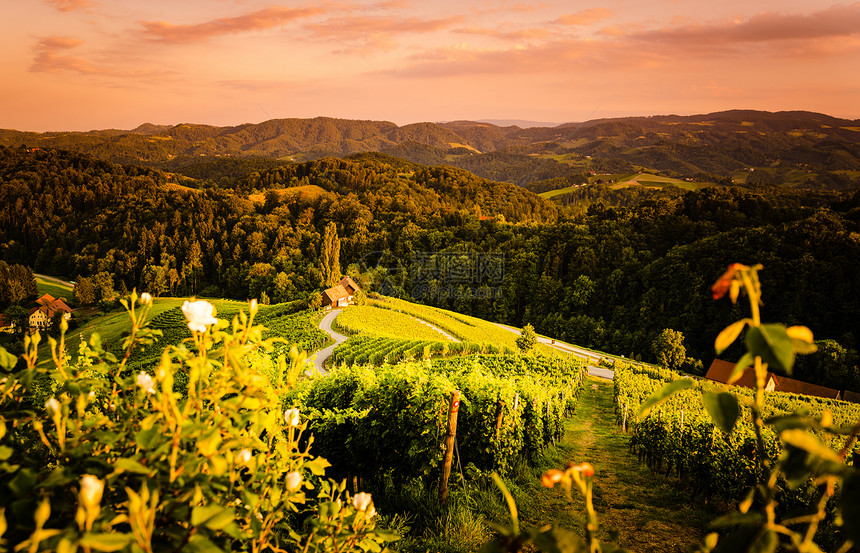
[{"x": 610, "y": 277}]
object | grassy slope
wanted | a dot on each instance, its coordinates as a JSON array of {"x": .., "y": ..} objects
[
  {"x": 650, "y": 512},
  {"x": 55, "y": 289},
  {"x": 638, "y": 179},
  {"x": 367, "y": 319},
  {"x": 463, "y": 327}
]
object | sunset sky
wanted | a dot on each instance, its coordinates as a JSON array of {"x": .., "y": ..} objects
[{"x": 93, "y": 64}]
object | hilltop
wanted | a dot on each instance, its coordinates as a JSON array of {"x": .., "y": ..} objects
[{"x": 796, "y": 148}]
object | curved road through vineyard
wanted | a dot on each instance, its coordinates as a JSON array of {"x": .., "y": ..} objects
[{"x": 323, "y": 354}]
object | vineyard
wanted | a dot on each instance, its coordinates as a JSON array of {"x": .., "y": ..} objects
[
  {"x": 385, "y": 323},
  {"x": 390, "y": 422},
  {"x": 462, "y": 327},
  {"x": 680, "y": 437}
]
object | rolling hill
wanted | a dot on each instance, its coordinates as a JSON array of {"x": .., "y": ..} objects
[{"x": 711, "y": 147}]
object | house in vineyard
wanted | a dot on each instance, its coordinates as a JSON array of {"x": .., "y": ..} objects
[
  {"x": 341, "y": 294},
  {"x": 721, "y": 370},
  {"x": 47, "y": 309}
]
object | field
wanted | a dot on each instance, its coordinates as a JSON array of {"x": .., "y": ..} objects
[
  {"x": 368, "y": 319},
  {"x": 54, "y": 288},
  {"x": 462, "y": 327},
  {"x": 627, "y": 180},
  {"x": 308, "y": 191}
]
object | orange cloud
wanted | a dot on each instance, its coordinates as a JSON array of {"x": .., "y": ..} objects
[
  {"x": 522, "y": 34},
  {"x": 836, "y": 21},
  {"x": 260, "y": 20},
  {"x": 585, "y": 17},
  {"x": 357, "y": 27},
  {"x": 50, "y": 58},
  {"x": 69, "y": 5}
]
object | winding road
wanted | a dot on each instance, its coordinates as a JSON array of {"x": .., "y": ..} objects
[
  {"x": 591, "y": 358},
  {"x": 323, "y": 354}
]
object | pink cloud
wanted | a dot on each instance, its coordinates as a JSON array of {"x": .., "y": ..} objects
[
  {"x": 69, "y": 5},
  {"x": 585, "y": 17},
  {"x": 52, "y": 55},
  {"x": 839, "y": 20},
  {"x": 347, "y": 28},
  {"x": 522, "y": 34},
  {"x": 260, "y": 20}
]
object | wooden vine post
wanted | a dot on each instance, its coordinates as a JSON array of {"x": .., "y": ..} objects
[
  {"x": 449, "y": 445},
  {"x": 500, "y": 413}
]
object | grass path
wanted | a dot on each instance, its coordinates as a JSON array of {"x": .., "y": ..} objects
[{"x": 649, "y": 511}]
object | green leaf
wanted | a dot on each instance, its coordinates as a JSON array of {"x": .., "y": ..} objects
[
  {"x": 808, "y": 442},
  {"x": 106, "y": 542},
  {"x": 772, "y": 344},
  {"x": 723, "y": 408},
  {"x": 729, "y": 335},
  {"x": 850, "y": 505},
  {"x": 130, "y": 465},
  {"x": 7, "y": 360},
  {"x": 736, "y": 518},
  {"x": 662, "y": 395},
  {"x": 201, "y": 544},
  {"x": 147, "y": 438},
  {"x": 745, "y": 361},
  {"x": 214, "y": 517},
  {"x": 766, "y": 543},
  {"x": 5, "y": 452},
  {"x": 23, "y": 482},
  {"x": 317, "y": 466}
]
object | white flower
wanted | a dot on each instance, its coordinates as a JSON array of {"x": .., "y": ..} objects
[
  {"x": 53, "y": 406},
  {"x": 294, "y": 480},
  {"x": 292, "y": 417},
  {"x": 361, "y": 501},
  {"x": 91, "y": 490},
  {"x": 253, "y": 306},
  {"x": 199, "y": 314},
  {"x": 145, "y": 298},
  {"x": 243, "y": 457},
  {"x": 145, "y": 381}
]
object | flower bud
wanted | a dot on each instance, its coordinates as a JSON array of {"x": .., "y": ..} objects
[
  {"x": 243, "y": 456},
  {"x": 91, "y": 491},
  {"x": 145, "y": 299},
  {"x": 199, "y": 314},
  {"x": 146, "y": 383},
  {"x": 551, "y": 477},
  {"x": 585, "y": 468},
  {"x": 294, "y": 481},
  {"x": 361, "y": 501},
  {"x": 53, "y": 407},
  {"x": 291, "y": 416}
]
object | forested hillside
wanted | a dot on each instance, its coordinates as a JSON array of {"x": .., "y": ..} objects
[
  {"x": 611, "y": 278},
  {"x": 797, "y": 149}
]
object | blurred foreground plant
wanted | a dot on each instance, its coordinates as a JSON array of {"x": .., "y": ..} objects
[
  {"x": 755, "y": 526},
  {"x": 553, "y": 538},
  {"x": 94, "y": 457}
]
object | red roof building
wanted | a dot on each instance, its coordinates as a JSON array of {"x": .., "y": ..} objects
[
  {"x": 339, "y": 295},
  {"x": 46, "y": 309},
  {"x": 720, "y": 371}
]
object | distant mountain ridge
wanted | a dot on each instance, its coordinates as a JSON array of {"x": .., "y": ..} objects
[{"x": 714, "y": 145}]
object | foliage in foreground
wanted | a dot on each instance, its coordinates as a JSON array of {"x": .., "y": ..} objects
[
  {"x": 97, "y": 458},
  {"x": 758, "y": 525}
]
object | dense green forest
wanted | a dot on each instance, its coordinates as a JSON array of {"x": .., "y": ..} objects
[{"x": 610, "y": 277}]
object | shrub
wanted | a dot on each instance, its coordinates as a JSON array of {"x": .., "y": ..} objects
[{"x": 103, "y": 459}]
